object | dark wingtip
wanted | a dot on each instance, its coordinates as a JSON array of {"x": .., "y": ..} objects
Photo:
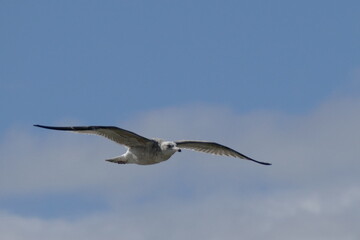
[
  {"x": 263, "y": 163},
  {"x": 41, "y": 126},
  {"x": 52, "y": 128}
]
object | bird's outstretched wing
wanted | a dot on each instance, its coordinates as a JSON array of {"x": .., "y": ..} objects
[
  {"x": 115, "y": 134},
  {"x": 214, "y": 148}
]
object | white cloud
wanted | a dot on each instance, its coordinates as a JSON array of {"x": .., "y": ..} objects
[
  {"x": 310, "y": 192},
  {"x": 272, "y": 216}
]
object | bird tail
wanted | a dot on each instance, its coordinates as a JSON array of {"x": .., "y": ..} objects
[{"x": 118, "y": 160}]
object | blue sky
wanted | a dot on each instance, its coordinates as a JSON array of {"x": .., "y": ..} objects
[
  {"x": 77, "y": 59},
  {"x": 277, "y": 80}
]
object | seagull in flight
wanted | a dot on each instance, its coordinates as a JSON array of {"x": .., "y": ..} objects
[{"x": 145, "y": 151}]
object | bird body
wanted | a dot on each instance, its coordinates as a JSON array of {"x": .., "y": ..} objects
[
  {"x": 155, "y": 151},
  {"x": 144, "y": 151}
]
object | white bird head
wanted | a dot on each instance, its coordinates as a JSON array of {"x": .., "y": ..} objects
[{"x": 170, "y": 147}]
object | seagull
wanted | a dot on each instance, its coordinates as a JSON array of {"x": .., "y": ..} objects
[{"x": 145, "y": 151}]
